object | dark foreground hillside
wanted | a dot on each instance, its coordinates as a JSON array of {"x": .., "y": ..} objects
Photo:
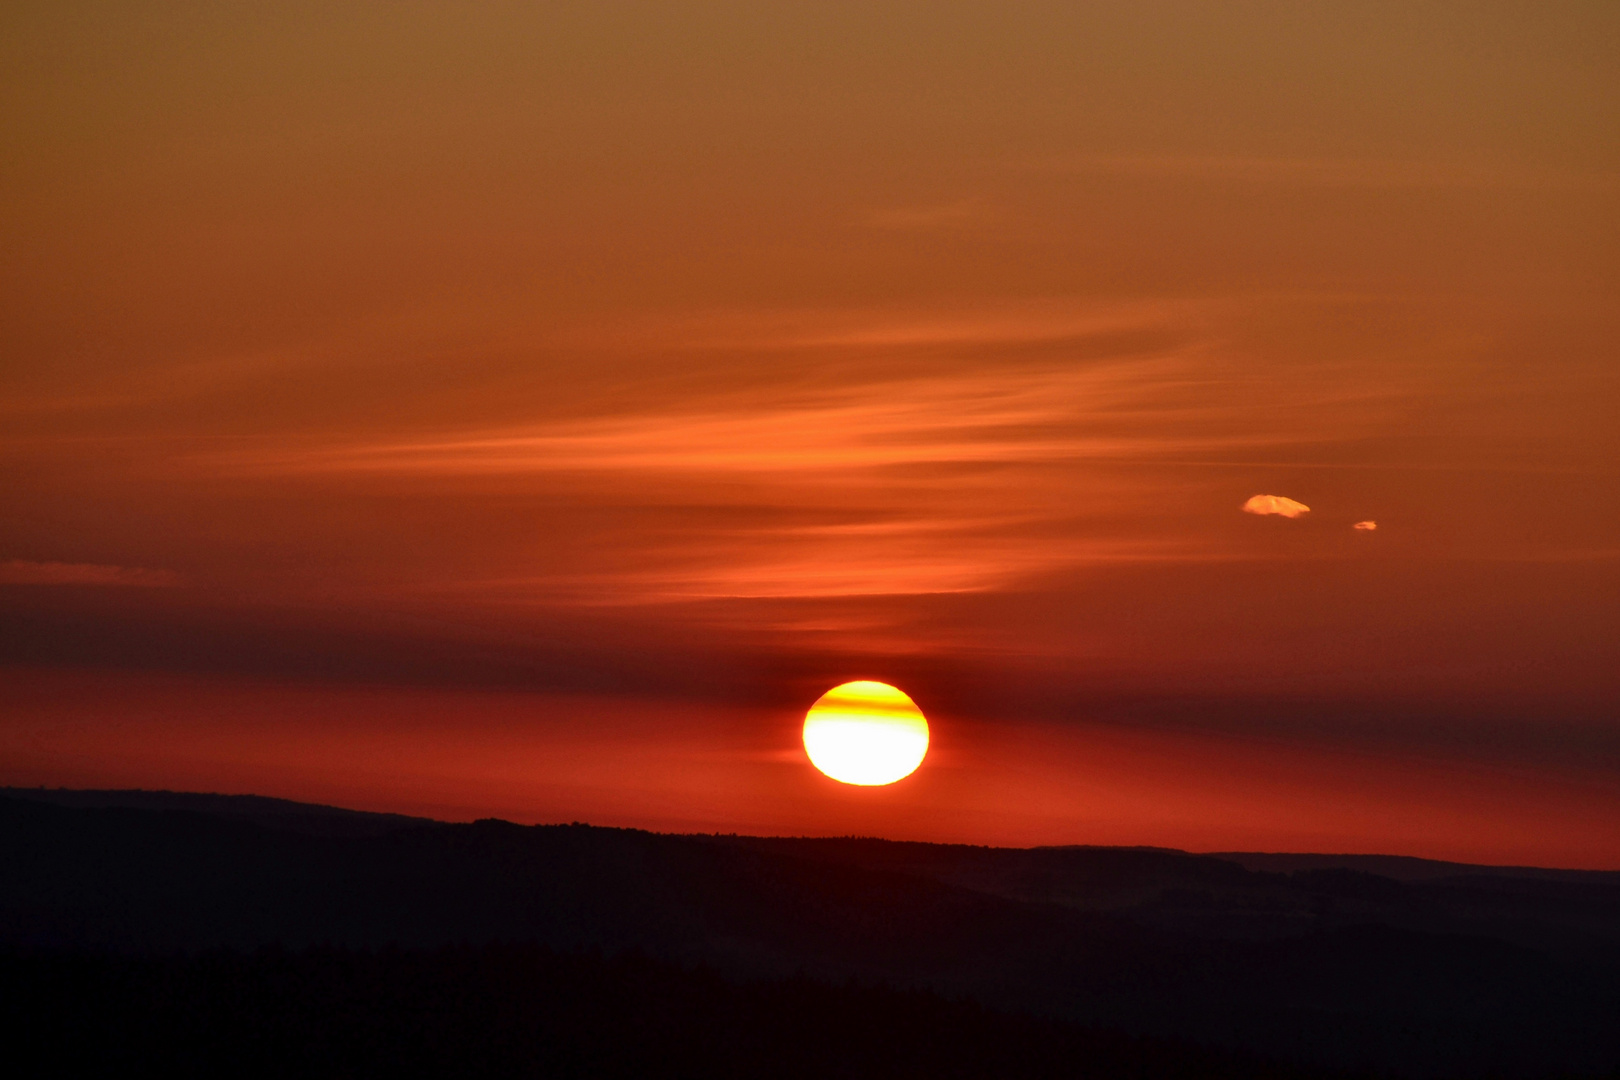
[
  {"x": 1465, "y": 975},
  {"x": 522, "y": 1011}
]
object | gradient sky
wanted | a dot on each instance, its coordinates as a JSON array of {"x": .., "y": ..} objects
[{"x": 531, "y": 409}]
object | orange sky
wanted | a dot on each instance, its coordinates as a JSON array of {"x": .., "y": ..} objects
[{"x": 531, "y": 409}]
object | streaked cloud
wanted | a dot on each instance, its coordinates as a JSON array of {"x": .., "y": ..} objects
[
  {"x": 1018, "y": 415},
  {"x": 854, "y": 453},
  {"x": 1365, "y": 526},
  {"x": 24, "y": 572},
  {"x": 1280, "y": 505},
  {"x": 937, "y": 484}
]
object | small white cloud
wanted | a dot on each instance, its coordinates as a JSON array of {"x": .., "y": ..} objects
[
  {"x": 1365, "y": 526},
  {"x": 23, "y": 572},
  {"x": 1275, "y": 504}
]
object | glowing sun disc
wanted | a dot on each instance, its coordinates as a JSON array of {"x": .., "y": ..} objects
[{"x": 866, "y": 733}]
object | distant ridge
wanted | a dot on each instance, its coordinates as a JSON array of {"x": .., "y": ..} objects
[
  {"x": 1469, "y": 974},
  {"x": 270, "y": 813},
  {"x": 1406, "y": 868},
  {"x": 319, "y": 819}
]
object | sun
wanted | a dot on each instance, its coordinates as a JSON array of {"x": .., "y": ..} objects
[{"x": 866, "y": 733}]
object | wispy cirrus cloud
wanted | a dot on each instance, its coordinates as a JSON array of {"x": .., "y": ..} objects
[
  {"x": 942, "y": 452},
  {"x": 1029, "y": 382},
  {"x": 976, "y": 418},
  {"x": 938, "y": 484}
]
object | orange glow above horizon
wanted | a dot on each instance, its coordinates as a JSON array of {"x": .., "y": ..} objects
[{"x": 532, "y": 758}]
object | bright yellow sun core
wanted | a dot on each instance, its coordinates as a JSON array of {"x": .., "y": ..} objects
[{"x": 865, "y": 733}]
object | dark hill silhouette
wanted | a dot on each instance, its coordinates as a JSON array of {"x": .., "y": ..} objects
[
  {"x": 1323, "y": 967},
  {"x": 1574, "y": 914},
  {"x": 1404, "y": 867},
  {"x": 262, "y": 810},
  {"x": 523, "y": 1011}
]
